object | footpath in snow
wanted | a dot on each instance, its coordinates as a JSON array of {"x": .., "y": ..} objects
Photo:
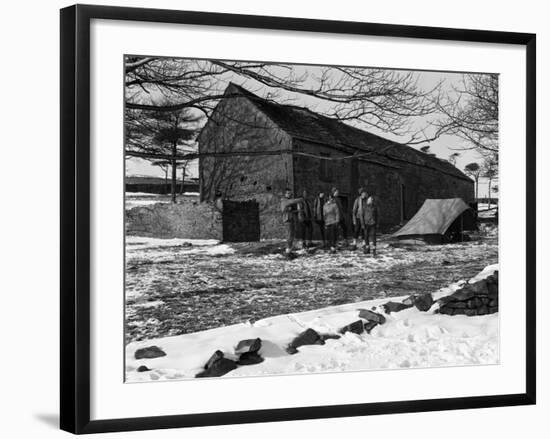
[{"x": 409, "y": 338}]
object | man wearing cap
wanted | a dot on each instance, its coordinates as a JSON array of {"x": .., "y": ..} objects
[
  {"x": 358, "y": 206},
  {"x": 289, "y": 209},
  {"x": 342, "y": 223}
]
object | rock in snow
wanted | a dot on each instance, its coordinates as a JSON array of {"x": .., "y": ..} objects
[
  {"x": 423, "y": 302},
  {"x": 355, "y": 327},
  {"x": 390, "y": 307},
  {"x": 149, "y": 352},
  {"x": 308, "y": 337},
  {"x": 218, "y": 368},
  {"x": 249, "y": 345},
  {"x": 371, "y": 316},
  {"x": 249, "y": 358}
]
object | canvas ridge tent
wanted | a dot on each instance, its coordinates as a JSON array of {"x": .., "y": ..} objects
[{"x": 438, "y": 220}]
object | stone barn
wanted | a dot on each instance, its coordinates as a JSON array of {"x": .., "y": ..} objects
[{"x": 252, "y": 148}]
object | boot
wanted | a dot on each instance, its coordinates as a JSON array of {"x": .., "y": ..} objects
[
  {"x": 366, "y": 250},
  {"x": 373, "y": 251}
]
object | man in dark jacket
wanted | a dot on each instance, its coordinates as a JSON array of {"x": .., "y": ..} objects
[
  {"x": 289, "y": 210},
  {"x": 318, "y": 215},
  {"x": 342, "y": 224},
  {"x": 305, "y": 217},
  {"x": 369, "y": 222},
  {"x": 358, "y": 206}
]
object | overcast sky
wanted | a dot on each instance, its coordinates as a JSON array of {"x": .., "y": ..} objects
[{"x": 443, "y": 147}]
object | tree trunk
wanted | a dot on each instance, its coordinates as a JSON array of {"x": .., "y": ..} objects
[
  {"x": 174, "y": 172},
  {"x": 489, "y": 191},
  {"x": 477, "y": 188},
  {"x": 182, "y": 178}
]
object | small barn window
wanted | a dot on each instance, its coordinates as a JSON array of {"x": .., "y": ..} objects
[{"x": 324, "y": 166}]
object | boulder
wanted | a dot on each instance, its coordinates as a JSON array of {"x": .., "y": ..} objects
[
  {"x": 218, "y": 368},
  {"x": 215, "y": 357},
  {"x": 143, "y": 368},
  {"x": 372, "y": 316},
  {"x": 250, "y": 345},
  {"x": 390, "y": 307},
  {"x": 149, "y": 352},
  {"x": 423, "y": 302},
  {"x": 493, "y": 302},
  {"x": 308, "y": 337},
  {"x": 355, "y": 327},
  {"x": 369, "y": 326},
  {"x": 291, "y": 350},
  {"x": 470, "y": 312},
  {"x": 248, "y": 358}
]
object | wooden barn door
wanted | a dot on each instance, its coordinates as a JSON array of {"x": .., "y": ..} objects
[{"x": 241, "y": 221}]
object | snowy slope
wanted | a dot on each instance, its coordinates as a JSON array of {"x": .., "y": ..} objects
[{"x": 409, "y": 338}]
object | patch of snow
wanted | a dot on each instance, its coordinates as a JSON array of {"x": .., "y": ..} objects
[
  {"x": 155, "y": 249},
  {"x": 140, "y": 194},
  {"x": 144, "y": 241}
]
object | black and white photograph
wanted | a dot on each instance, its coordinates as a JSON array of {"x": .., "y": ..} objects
[{"x": 287, "y": 219}]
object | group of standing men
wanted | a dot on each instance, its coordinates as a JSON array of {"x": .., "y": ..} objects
[{"x": 299, "y": 215}]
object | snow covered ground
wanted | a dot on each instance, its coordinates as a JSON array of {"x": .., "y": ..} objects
[
  {"x": 486, "y": 210},
  {"x": 408, "y": 339}
]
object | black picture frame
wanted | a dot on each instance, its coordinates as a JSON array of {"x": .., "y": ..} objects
[{"x": 75, "y": 217}]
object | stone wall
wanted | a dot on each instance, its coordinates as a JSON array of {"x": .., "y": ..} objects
[
  {"x": 188, "y": 219},
  {"x": 473, "y": 299}
]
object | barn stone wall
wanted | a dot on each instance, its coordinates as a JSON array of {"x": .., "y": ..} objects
[
  {"x": 385, "y": 180},
  {"x": 187, "y": 219},
  {"x": 237, "y": 126}
]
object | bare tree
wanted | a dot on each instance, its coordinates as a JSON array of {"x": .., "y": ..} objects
[
  {"x": 381, "y": 98},
  {"x": 490, "y": 172},
  {"x": 471, "y": 112},
  {"x": 474, "y": 171}
]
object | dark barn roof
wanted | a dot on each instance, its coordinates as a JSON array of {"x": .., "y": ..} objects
[{"x": 302, "y": 123}]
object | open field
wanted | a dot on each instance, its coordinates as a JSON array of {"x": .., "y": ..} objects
[{"x": 177, "y": 286}]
